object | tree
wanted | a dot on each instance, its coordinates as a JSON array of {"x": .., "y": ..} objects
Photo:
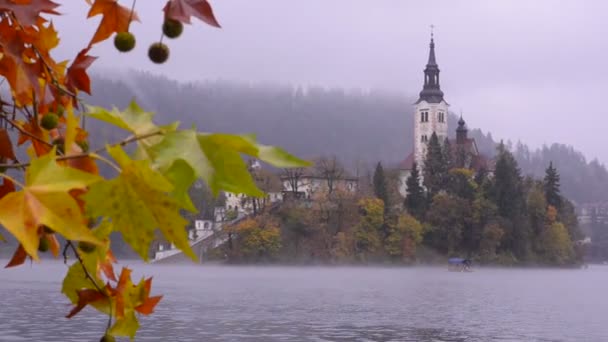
[
  {"x": 55, "y": 193},
  {"x": 380, "y": 186},
  {"x": 434, "y": 170},
  {"x": 556, "y": 246},
  {"x": 415, "y": 200},
  {"x": 293, "y": 177},
  {"x": 447, "y": 217},
  {"x": 257, "y": 239},
  {"x": 490, "y": 241},
  {"x": 507, "y": 185},
  {"x": 551, "y": 187},
  {"x": 367, "y": 232},
  {"x": 330, "y": 170},
  {"x": 448, "y": 158},
  {"x": 404, "y": 236}
]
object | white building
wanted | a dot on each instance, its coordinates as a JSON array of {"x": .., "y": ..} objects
[{"x": 431, "y": 116}]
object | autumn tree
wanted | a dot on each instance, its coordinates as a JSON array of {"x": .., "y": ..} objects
[
  {"x": 368, "y": 232},
  {"x": 257, "y": 239},
  {"x": 54, "y": 192},
  {"x": 294, "y": 178},
  {"x": 330, "y": 170},
  {"x": 404, "y": 236}
]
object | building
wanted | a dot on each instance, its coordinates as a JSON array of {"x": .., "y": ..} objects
[
  {"x": 304, "y": 183},
  {"x": 430, "y": 116}
]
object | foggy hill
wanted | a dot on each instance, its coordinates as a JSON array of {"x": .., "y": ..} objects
[{"x": 357, "y": 126}]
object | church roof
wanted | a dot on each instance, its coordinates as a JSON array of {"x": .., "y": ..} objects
[
  {"x": 431, "y": 92},
  {"x": 407, "y": 163}
]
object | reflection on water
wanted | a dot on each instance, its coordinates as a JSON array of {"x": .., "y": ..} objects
[{"x": 326, "y": 304}]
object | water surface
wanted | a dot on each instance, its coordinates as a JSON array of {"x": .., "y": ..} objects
[{"x": 212, "y": 303}]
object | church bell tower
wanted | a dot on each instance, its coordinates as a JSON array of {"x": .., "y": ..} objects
[{"x": 431, "y": 113}]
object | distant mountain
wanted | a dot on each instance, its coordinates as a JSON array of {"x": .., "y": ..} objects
[{"x": 359, "y": 127}]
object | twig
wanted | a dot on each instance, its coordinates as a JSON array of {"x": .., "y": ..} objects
[
  {"x": 94, "y": 154},
  {"x": 24, "y": 132},
  {"x": 88, "y": 276}
]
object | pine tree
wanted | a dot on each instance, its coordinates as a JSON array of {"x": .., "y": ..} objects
[
  {"x": 415, "y": 201},
  {"x": 434, "y": 171},
  {"x": 380, "y": 185},
  {"x": 448, "y": 159},
  {"x": 551, "y": 187}
]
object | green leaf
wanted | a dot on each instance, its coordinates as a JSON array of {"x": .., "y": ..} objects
[
  {"x": 76, "y": 279},
  {"x": 216, "y": 158},
  {"x": 137, "y": 202},
  {"x": 182, "y": 176},
  {"x": 126, "y": 326},
  {"x": 132, "y": 119}
]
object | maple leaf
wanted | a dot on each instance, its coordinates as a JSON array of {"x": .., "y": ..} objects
[
  {"x": 35, "y": 134},
  {"x": 130, "y": 298},
  {"x": 76, "y": 77},
  {"x": 18, "y": 257},
  {"x": 116, "y": 18},
  {"x": 6, "y": 147},
  {"x": 217, "y": 158},
  {"x": 22, "y": 76},
  {"x": 142, "y": 190},
  {"x": 182, "y": 10},
  {"x": 44, "y": 200},
  {"x": 28, "y": 12},
  {"x": 86, "y": 297},
  {"x": 87, "y": 163}
]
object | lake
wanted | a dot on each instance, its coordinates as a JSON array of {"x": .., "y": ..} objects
[{"x": 214, "y": 303}]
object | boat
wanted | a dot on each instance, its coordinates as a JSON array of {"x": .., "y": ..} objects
[{"x": 459, "y": 265}]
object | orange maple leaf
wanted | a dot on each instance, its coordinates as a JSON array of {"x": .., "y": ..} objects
[
  {"x": 182, "y": 10},
  {"x": 86, "y": 297},
  {"x": 116, "y": 18},
  {"x": 6, "y": 147},
  {"x": 28, "y": 12},
  {"x": 35, "y": 134},
  {"x": 18, "y": 257},
  {"x": 147, "y": 307},
  {"x": 22, "y": 76},
  {"x": 77, "y": 78}
]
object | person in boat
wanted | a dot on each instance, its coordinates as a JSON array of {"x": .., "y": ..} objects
[{"x": 459, "y": 264}]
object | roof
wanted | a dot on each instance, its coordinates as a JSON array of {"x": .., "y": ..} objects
[{"x": 407, "y": 163}]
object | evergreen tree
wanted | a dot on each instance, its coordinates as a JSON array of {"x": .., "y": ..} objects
[
  {"x": 434, "y": 170},
  {"x": 506, "y": 190},
  {"x": 415, "y": 202},
  {"x": 551, "y": 187},
  {"x": 448, "y": 159},
  {"x": 380, "y": 185}
]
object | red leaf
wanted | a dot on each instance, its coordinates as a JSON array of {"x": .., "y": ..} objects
[
  {"x": 85, "y": 297},
  {"x": 107, "y": 268},
  {"x": 18, "y": 257},
  {"x": 182, "y": 10},
  {"x": 28, "y": 11},
  {"x": 77, "y": 78},
  {"x": 6, "y": 147},
  {"x": 6, "y": 187},
  {"x": 148, "y": 306}
]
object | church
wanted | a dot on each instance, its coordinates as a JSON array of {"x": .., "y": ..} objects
[{"x": 430, "y": 116}]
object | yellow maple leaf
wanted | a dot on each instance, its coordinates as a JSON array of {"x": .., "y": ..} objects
[
  {"x": 138, "y": 202},
  {"x": 44, "y": 200}
]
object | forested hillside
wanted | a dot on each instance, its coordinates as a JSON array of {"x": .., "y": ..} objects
[{"x": 358, "y": 127}]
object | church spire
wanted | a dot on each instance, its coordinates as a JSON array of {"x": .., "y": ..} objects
[{"x": 431, "y": 92}]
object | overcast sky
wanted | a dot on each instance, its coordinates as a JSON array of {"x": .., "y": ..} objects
[{"x": 530, "y": 70}]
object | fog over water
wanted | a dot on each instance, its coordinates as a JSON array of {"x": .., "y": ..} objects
[
  {"x": 521, "y": 69},
  {"x": 210, "y": 303}
]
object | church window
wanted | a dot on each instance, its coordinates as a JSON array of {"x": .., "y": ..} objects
[
  {"x": 424, "y": 116},
  {"x": 441, "y": 117},
  {"x": 424, "y": 138}
]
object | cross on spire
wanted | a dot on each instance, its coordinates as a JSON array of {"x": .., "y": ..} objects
[{"x": 432, "y": 28}]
